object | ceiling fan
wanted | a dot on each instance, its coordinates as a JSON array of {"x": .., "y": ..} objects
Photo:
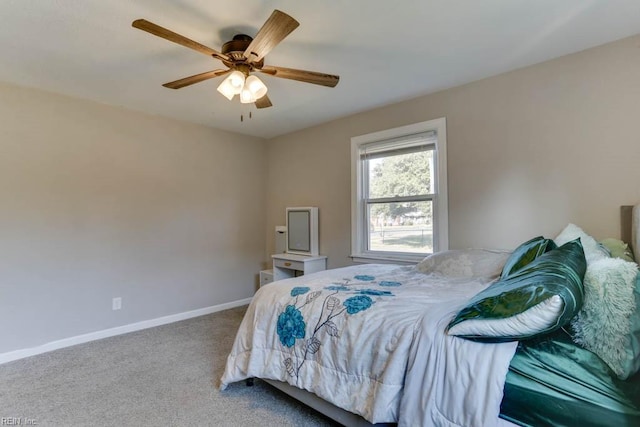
[{"x": 242, "y": 56}]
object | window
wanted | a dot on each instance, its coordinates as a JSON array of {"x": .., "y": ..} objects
[{"x": 399, "y": 193}]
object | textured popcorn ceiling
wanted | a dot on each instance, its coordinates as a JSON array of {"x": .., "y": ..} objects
[{"x": 384, "y": 51}]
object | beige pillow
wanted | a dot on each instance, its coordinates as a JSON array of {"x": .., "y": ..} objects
[{"x": 465, "y": 263}]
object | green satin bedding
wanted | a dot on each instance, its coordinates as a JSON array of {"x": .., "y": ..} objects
[{"x": 554, "y": 382}]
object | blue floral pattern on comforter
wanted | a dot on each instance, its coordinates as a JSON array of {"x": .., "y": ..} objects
[{"x": 291, "y": 327}]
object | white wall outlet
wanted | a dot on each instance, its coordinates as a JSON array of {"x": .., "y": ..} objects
[{"x": 116, "y": 303}]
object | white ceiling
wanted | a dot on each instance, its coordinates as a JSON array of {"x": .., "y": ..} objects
[{"x": 384, "y": 51}]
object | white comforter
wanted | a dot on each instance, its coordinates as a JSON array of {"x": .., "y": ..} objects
[{"x": 370, "y": 339}]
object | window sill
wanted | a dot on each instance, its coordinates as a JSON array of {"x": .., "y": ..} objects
[{"x": 379, "y": 259}]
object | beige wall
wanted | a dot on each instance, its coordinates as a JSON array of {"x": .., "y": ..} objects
[
  {"x": 99, "y": 202},
  {"x": 529, "y": 151}
]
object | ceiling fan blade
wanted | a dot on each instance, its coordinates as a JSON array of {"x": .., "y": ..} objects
[
  {"x": 322, "y": 79},
  {"x": 157, "y": 30},
  {"x": 195, "y": 79},
  {"x": 263, "y": 102},
  {"x": 275, "y": 29}
]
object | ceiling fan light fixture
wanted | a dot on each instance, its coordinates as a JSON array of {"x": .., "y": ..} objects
[
  {"x": 226, "y": 89},
  {"x": 246, "y": 97},
  {"x": 256, "y": 87},
  {"x": 236, "y": 80}
]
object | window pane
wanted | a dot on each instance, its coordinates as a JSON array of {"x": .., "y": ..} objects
[
  {"x": 401, "y": 227},
  {"x": 401, "y": 175}
]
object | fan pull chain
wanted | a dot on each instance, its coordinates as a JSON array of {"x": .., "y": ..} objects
[{"x": 242, "y": 116}]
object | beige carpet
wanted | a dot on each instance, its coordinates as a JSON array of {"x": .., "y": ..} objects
[{"x": 164, "y": 376}]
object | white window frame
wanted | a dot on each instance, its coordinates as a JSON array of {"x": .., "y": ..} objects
[{"x": 359, "y": 225}]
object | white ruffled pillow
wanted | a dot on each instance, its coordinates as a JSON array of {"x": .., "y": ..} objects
[
  {"x": 592, "y": 250},
  {"x": 465, "y": 263}
]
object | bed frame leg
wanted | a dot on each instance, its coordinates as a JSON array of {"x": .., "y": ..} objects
[{"x": 249, "y": 382}]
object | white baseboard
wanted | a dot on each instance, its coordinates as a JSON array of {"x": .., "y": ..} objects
[{"x": 119, "y": 330}]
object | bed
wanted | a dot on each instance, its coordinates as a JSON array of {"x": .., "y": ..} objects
[{"x": 369, "y": 344}]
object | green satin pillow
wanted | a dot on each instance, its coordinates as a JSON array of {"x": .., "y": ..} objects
[
  {"x": 539, "y": 298},
  {"x": 525, "y": 253}
]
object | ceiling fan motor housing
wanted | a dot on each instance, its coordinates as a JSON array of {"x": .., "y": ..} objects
[
  {"x": 240, "y": 43},
  {"x": 235, "y": 49}
]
